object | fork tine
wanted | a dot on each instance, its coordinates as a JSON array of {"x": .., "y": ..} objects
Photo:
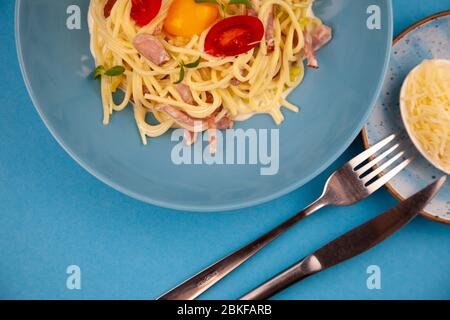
[
  {"x": 371, "y": 151},
  {"x": 388, "y": 176},
  {"x": 381, "y": 168},
  {"x": 372, "y": 163}
]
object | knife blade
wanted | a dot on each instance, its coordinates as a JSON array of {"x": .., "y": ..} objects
[{"x": 351, "y": 244}]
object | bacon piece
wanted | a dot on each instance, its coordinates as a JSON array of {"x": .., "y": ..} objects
[
  {"x": 252, "y": 12},
  {"x": 224, "y": 123},
  {"x": 151, "y": 48},
  {"x": 270, "y": 39},
  {"x": 181, "y": 117},
  {"x": 321, "y": 36},
  {"x": 235, "y": 82},
  {"x": 309, "y": 52},
  {"x": 209, "y": 97},
  {"x": 158, "y": 30},
  {"x": 212, "y": 135},
  {"x": 185, "y": 93},
  {"x": 315, "y": 41},
  {"x": 108, "y": 8},
  {"x": 190, "y": 137}
]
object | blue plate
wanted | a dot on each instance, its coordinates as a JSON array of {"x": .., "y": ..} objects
[
  {"x": 427, "y": 39},
  {"x": 335, "y": 101}
]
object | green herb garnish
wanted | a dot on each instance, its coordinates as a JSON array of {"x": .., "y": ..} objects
[
  {"x": 115, "y": 71},
  {"x": 181, "y": 74},
  {"x": 98, "y": 72},
  {"x": 191, "y": 65},
  {"x": 194, "y": 64}
]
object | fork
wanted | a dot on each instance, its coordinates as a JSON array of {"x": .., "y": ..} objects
[{"x": 351, "y": 183}]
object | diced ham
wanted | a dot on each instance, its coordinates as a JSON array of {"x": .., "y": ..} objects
[
  {"x": 108, "y": 8},
  {"x": 158, "y": 30},
  {"x": 190, "y": 137},
  {"x": 210, "y": 123},
  {"x": 313, "y": 42},
  {"x": 252, "y": 12},
  {"x": 309, "y": 52},
  {"x": 235, "y": 82},
  {"x": 185, "y": 93},
  {"x": 224, "y": 123},
  {"x": 321, "y": 37},
  {"x": 181, "y": 117},
  {"x": 209, "y": 97},
  {"x": 151, "y": 48},
  {"x": 270, "y": 39},
  {"x": 212, "y": 135}
]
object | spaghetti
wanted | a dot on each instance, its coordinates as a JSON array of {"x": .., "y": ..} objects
[{"x": 215, "y": 90}]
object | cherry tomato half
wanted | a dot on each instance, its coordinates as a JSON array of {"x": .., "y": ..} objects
[
  {"x": 233, "y": 36},
  {"x": 144, "y": 11}
]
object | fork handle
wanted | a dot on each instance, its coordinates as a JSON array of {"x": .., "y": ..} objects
[{"x": 195, "y": 286}]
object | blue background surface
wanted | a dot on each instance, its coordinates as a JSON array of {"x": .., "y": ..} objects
[{"x": 54, "y": 214}]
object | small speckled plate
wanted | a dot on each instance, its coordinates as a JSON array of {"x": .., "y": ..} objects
[{"x": 427, "y": 39}]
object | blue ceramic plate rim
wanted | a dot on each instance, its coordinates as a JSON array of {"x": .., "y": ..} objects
[
  {"x": 203, "y": 208},
  {"x": 364, "y": 133}
]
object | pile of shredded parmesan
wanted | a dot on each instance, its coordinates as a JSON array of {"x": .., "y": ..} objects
[{"x": 426, "y": 110}]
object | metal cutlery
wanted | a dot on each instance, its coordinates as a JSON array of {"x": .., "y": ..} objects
[
  {"x": 353, "y": 182},
  {"x": 351, "y": 244}
]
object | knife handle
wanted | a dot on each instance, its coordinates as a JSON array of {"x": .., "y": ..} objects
[
  {"x": 299, "y": 271},
  {"x": 193, "y": 287}
]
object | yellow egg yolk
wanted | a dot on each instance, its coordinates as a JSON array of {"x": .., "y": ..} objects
[{"x": 187, "y": 18}]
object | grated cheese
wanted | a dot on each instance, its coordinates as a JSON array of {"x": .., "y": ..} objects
[{"x": 425, "y": 102}]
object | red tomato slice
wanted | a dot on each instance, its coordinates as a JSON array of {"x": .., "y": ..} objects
[
  {"x": 144, "y": 11},
  {"x": 108, "y": 7},
  {"x": 233, "y": 36}
]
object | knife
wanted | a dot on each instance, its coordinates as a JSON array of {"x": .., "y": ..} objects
[{"x": 351, "y": 244}]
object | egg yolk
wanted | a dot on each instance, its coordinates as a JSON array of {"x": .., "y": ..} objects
[{"x": 187, "y": 18}]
